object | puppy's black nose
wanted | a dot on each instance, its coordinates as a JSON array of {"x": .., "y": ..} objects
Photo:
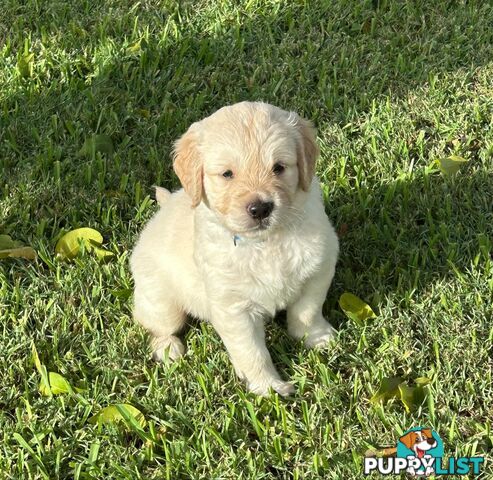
[
  {"x": 430, "y": 441},
  {"x": 260, "y": 210}
]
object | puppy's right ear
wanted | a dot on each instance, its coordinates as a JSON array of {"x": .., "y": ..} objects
[
  {"x": 307, "y": 151},
  {"x": 188, "y": 165}
]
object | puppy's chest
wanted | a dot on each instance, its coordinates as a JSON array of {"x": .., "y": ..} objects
[{"x": 272, "y": 275}]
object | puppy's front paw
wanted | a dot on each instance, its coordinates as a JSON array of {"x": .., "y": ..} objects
[
  {"x": 170, "y": 348},
  {"x": 321, "y": 337},
  {"x": 282, "y": 388}
]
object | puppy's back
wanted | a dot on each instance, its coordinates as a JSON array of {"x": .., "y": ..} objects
[{"x": 167, "y": 239}]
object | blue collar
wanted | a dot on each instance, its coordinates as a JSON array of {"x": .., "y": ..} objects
[{"x": 237, "y": 239}]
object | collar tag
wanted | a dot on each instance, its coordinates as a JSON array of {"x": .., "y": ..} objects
[{"x": 246, "y": 241}]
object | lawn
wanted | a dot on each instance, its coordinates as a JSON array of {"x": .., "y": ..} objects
[{"x": 92, "y": 95}]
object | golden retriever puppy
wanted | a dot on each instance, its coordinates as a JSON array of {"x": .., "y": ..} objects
[{"x": 246, "y": 236}]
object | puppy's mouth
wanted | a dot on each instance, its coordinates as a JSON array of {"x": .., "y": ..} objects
[
  {"x": 252, "y": 227},
  {"x": 261, "y": 226}
]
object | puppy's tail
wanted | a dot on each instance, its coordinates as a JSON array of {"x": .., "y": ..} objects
[{"x": 161, "y": 195}]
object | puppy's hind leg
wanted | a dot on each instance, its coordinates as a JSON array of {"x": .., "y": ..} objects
[{"x": 164, "y": 320}]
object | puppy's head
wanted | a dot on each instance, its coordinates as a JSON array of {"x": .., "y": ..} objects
[{"x": 248, "y": 162}]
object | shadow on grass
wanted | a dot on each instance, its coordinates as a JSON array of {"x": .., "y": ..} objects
[
  {"x": 406, "y": 239},
  {"x": 326, "y": 60},
  {"x": 329, "y": 61}
]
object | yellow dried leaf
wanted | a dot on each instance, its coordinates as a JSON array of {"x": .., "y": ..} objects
[
  {"x": 451, "y": 165},
  {"x": 112, "y": 415},
  {"x": 22, "y": 252},
  {"x": 355, "y": 308},
  {"x": 69, "y": 245},
  {"x": 58, "y": 384},
  {"x": 389, "y": 388}
]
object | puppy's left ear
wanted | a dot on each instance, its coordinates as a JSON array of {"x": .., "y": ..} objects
[
  {"x": 188, "y": 164},
  {"x": 307, "y": 151}
]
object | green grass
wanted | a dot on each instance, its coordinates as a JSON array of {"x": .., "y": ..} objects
[{"x": 391, "y": 86}]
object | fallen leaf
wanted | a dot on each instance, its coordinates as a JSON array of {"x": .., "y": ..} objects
[
  {"x": 25, "y": 65},
  {"x": 123, "y": 293},
  {"x": 23, "y": 252},
  {"x": 355, "y": 308},
  {"x": 14, "y": 249},
  {"x": 58, "y": 384},
  {"x": 411, "y": 397},
  {"x": 112, "y": 415},
  {"x": 97, "y": 143},
  {"x": 69, "y": 246},
  {"x": 451, "y": 165},
  {"x": 342, "y": 230},
  {"x": 35, "y": 356},
  {"x": 41, "y": 369},
  {"x": 136, "y": 47},
  {"x": 395, "y": 387},
  {"x": 389, "y": 388},
  {"x": 366, "y": 27},
  {"x": 422, "y": 381},
  {"x": 7, "y": 243},
  {"x": 381, "y": 452},
  {"x": 143, "y": 112},
  {"x": 103, "y": 254}
]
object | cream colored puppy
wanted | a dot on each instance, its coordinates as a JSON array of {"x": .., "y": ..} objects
[{"x": 246, "y": 236}]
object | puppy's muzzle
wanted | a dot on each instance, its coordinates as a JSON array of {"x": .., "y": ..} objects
[{"x": 259, "y": 210}]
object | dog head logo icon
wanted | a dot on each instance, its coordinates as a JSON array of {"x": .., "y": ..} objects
[{"x": 419, "y": 446}]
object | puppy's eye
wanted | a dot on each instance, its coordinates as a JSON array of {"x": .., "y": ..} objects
[
  {"x": 228, "y": 174},
  {"x": 278, "y": 168}
]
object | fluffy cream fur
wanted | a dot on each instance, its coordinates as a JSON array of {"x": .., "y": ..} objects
[{"x": 204, "y": 255}]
